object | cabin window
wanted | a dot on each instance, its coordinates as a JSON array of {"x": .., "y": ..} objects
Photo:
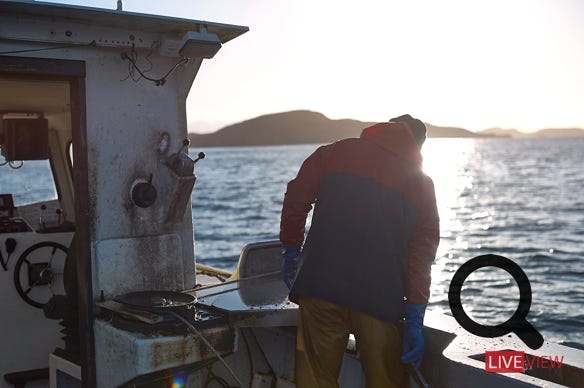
[
  {"x": 26, "y": 170},
  {"x": 31, "y": 183},
  {"x": 24, "y": 139},
  {"x": 69, "y": 154}
]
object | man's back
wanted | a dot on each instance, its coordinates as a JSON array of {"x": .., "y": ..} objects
[
  {"x": 371, "y": 245},
  {"x": 370, "y": 195}
]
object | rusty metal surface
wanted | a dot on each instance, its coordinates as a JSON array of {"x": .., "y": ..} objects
[
  {"x": 137, "y": 354},
  {"x": 156, "y": 300}
]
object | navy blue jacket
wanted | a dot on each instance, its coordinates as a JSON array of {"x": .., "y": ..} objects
[{"x": 375, "y": 227}]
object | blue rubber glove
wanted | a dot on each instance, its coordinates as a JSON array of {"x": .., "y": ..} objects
[
  {"x": 413, "y": 345},
  {"x": 290, "y": 264}
]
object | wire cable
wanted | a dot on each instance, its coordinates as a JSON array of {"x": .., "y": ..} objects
[
  {"x": 132, "y": 66},
  {"x": 249, "y": 355},
  {"x": 266, "y": 359},
  {"x": 197, "y": 332},
  {"x": 92, "y": 43}
]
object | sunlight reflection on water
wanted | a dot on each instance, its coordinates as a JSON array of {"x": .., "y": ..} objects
[{"x": 445, "y": 161}]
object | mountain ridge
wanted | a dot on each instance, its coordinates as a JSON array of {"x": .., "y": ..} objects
[
  {"x": 546, "y": 132},
  {"x": 309, "y": 127}
]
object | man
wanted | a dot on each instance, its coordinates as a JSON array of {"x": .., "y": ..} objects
[{"x": 366, "y": 261}]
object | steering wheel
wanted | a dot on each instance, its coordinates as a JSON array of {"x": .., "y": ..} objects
[{"x": 38, "y": 273}]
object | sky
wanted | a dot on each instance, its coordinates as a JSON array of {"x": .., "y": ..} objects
[{"x": 471, "y": 64}]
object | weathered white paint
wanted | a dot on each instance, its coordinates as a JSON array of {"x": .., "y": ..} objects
[
  {"x": 124, "y": 265},
  {"x": 132, "y": 248},
  {"x": 135, "y": 354}
]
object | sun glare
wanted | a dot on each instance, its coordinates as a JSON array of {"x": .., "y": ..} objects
[{"x": 445, "y": 161}]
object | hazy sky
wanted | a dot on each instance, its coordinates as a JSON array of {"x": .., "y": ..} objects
[{"x": 474, "y": 64}]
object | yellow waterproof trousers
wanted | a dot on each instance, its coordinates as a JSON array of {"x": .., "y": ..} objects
[{"x": 323, "y": 332}]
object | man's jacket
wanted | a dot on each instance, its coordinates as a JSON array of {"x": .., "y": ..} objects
[{"x": 375, "y": 227}]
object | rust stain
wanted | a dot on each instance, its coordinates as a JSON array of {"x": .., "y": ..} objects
[{"x": 190, "y": 348}]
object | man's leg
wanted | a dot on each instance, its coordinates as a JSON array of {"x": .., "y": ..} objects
[
  {"x": 323, "y": 331},
  {"x": 380, "y": 347}
]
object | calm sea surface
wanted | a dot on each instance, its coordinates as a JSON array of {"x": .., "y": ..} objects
[{"x": 519, "y": 198}]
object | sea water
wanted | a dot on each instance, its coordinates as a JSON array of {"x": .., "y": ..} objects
[{"x": 518, "y": 198}]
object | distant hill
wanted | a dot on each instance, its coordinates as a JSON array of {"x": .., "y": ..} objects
[
  {"x": 435, "y": 131},
  {"x": 299, "y": 127},
  {"x": 501, "y": 132},
  {"x": 559, "y": 132},
  {"x": 295, "y": 127},
  {"x": 548, "y": 132}
]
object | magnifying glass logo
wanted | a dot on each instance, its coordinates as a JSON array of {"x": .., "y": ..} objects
[{"x": 517, "y": 323}]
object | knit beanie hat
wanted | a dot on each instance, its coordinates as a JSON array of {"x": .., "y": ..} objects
[{"x": 417, "y": 127}]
